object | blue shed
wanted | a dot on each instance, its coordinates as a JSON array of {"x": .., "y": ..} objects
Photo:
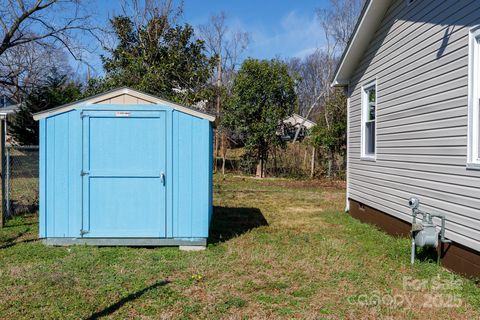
[{"x": 125, "y": 168}]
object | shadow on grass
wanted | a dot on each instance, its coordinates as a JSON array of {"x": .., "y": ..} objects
[
  {"x": 9, "y": 226},
  {"x": 133, "y": 296},
  {"x": 11, "y": 244},
  {"x": 13, "y": 241},
  {"x": 228, "y": 223},
  {"x": 427, "y": 254}
]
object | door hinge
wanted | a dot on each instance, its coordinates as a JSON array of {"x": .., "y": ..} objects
[
  {"x": 84, "y": 173},
  {"x": 83, "y": 232}
]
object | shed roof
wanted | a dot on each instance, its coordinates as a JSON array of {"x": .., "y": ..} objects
[
  {"x": 118, "y": 92},
  {"x": 362, "y": 35}
]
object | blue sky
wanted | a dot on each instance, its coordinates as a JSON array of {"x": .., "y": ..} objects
[{"x": 277, "y": 28}]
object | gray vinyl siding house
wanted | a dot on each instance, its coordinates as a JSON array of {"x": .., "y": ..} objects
[{"x": 417, "y": 133}]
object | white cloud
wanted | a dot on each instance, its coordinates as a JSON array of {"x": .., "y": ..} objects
[{"x": 295, "y": 35}]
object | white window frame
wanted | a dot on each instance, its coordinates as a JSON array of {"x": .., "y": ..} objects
[
  {"x": 473, "y": 152},
  {"x": 365, "y": 87}
]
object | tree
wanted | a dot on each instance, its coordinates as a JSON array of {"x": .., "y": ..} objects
[
  {"x": 263, "y": 94},
  {"x": 157, "y": 57},
  {"x": 56, "y": 91},
  {"x": 226, "y": 47},
  {"x": 316, "y": 71},
  {"x": 311, "y": 74},
  {"x": 332, "y": 139},
  {"x": 338, "y": 21},
  {"x": 28, "y": 66},
  {"x": 24, "y": 23}
]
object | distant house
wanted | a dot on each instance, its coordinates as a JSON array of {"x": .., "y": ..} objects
[
  {"x": 7, "y": 105},
  {"x": 412, "y": 73},
  {"x": 291, "y": 125}
]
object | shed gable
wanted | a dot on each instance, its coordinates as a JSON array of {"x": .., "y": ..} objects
[{"x": 124, "y": 98}]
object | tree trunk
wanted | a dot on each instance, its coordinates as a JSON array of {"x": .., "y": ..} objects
[
  {"x": 305, "y": 157},
  {"x": 224, "y": 153},
  {"x": 259, "y": 173},
  {"x": 312, "y": 164},
  {"x": 275, "y": 161},
  {"x": 218, "y": 107},
  {"x": 329, "y": 172},
  {"x": 215, "y": 146},
  {"x": 334, "y": 164},
  {"x": 261, "y": 164}
]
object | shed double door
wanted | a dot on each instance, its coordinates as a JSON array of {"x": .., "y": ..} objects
[{"x": 123, "y": 175}]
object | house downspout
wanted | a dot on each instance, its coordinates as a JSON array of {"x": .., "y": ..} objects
[{"x": 347, "y": 170}]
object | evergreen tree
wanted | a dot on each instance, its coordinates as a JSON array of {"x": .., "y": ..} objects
[
  {"x": 157, "y": 58},
  {"x": 57, "y": 90},
  {"x": 263, "y": 95}
]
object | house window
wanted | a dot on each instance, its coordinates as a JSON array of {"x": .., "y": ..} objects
[
  {"x": 369, "y": 112},
  {"x": 473, "y": 156}
]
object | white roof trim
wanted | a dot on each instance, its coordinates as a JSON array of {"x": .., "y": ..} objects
[
  {"x": 110, "y": 94},
  {"x": 364, "y": 32}
]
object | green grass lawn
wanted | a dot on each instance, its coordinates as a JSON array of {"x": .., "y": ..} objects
[{"x": 279, "y": 249}]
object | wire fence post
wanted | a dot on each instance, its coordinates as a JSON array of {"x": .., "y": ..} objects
[
  {"x": 2, "y": 160},
  {"x": 7, "y": 182}
]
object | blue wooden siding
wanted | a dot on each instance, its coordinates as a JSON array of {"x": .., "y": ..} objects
[
  {"x": 42, "y": 180},
  {"x": 60, "y": 184},
  {"x": 188, "y": 173},
  {"x": 191, "y": 192}
]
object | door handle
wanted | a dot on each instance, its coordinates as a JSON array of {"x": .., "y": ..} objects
[{"x": 162, "y": 178}]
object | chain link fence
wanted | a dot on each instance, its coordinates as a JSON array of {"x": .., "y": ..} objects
[{"x": 21, "y": 179}]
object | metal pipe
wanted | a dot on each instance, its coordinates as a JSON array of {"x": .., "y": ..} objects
[
  {"x": 442, "y": 230},
  {"x": 412, "y": 257},
  {"x": 414, "y": 220},
  {"x": 425, "y": 230}
]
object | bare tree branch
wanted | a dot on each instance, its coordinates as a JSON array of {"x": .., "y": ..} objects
[
  {"x": 24, "y": 67},
  {"x": 52, "y": 24},
  {"x": 337, "y": 21},
  {"x": 227, "y": 47}
]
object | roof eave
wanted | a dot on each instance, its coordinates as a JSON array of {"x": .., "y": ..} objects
[
  {"x": 362, "y": 35},
  {"x": 340, "y": 83}
]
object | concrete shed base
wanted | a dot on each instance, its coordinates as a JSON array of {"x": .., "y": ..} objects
[
  {"x": 199, "y": 243},
  {"x": 192, "y": 248}
]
